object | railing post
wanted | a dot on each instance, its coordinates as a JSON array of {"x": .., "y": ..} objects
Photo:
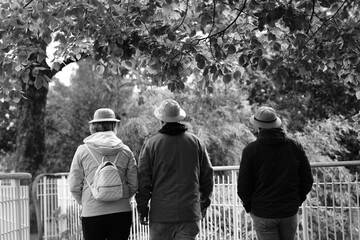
[
  {"x": 235, "y": 214},
  {"x": 17, "y": 209},
  {"x": 305, "y": 221}
]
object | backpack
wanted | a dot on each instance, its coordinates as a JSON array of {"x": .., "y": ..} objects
[{"x": 107, "y": 184}]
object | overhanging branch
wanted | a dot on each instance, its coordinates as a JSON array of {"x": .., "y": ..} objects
[{"x": 227, "y": 27}]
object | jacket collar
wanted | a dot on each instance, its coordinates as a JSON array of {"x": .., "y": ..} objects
[{"x": 173, "y": 128}]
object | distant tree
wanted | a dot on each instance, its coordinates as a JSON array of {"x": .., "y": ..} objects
[
  {"x": 302, "y": 100},
  {"x": 70, "y": 108}
]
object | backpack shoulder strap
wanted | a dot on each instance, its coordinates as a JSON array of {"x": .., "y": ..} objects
[
  {"x": 96, "y": 160},
  {"x": 92, "y": 154},
  {"x": 117, "y": 157}
]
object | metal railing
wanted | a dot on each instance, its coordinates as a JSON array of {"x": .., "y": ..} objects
[
  {"x": 331, "y": 210},
  {"x": 14, "y": 207}
]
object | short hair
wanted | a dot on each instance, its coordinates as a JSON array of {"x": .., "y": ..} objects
[{"x": 102, "y": 127}]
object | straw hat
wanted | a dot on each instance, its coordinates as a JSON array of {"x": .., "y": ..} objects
[
  {"x": 169, "y": 111},
  {"x": 265, "y": 117},
  {"x": 104, "y": 115}
]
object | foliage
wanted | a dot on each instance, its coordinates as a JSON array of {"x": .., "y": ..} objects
[
  {"x": 69, "y": 110},
  {"x": 7, "y": 163},
  {"x": 328, "y": 140},
  {"x": 169, "y": 40},
  {"x": 212, "y": 118},
  {"x": 7, "y": 127},
  {"x": 133, "y": 133},
  {"x": 315, "y": 100}
]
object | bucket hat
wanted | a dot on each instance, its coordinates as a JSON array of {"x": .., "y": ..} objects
[
  {"x": 169, "y": 111},
  {"x": 104, "y": 115},
  {"x": 265, "y": 117}
]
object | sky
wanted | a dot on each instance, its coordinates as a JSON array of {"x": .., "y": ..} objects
[{"x": 65, "y": 74}]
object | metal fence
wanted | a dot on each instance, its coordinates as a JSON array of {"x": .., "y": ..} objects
[
  {"x": 14, "y": 207},
  {"x": 331, "y": 210}
]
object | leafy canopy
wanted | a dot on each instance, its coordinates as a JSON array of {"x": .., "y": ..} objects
[{"x": 167, "y": 41}]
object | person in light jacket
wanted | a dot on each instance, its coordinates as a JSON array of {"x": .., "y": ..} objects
[
  {"x": 103, "y": 220},
  {"x": 175, "y": 176},
  {"x": 274, "y": 178}
]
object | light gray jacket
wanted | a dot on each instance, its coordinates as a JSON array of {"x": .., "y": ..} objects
[{"x": 84, "y": 165}]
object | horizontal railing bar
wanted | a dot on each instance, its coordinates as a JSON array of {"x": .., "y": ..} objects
[
  {"x": 316, "y": 164},
  {"x": 335, "y": 164},
  {"x": 18, "y": 175}
]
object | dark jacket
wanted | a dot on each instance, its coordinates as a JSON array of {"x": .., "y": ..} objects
[
  {"x": 175, "y": 172},
  {"x": 274, "y": 175}
]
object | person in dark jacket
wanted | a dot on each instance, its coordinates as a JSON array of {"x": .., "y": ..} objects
[
  {"x": 274, "y": 178},
  {"x": 175, "y": 176}
]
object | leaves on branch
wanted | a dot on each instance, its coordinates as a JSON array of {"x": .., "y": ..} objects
[{"x": 210, "y": 37}]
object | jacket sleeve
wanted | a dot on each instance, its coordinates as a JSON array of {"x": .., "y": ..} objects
[
  {"x": 132, "y": 175},
  {"x": 305, "y": 175},
  {"x": 206, "y": 176},
  {"x": 145, "y": 180},
  {"x": 245, "y": 180},
  {"x": 76, "y": 177}
]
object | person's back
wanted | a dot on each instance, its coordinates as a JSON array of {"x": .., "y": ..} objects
[
  {"x": 274, "y": 178},
  {"x": 176, "y": 174},
  {"x": 101, "y": 219},
  {"x": 176, "y": 167}
]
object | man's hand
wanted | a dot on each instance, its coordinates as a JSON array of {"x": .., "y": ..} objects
[
  {"x": 143, "y": 215},
  {"x": 204, "y": 205},
  {"x": 144, "y": 220}
]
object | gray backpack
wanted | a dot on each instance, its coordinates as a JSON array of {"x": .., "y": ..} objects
[{"x": 107, "y": 184}]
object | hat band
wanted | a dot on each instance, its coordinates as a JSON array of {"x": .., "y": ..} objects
[{"x": 265, "y": 121}]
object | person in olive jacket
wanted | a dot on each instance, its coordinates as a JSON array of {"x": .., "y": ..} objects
[
  {"x": 274, "y": 178},
  {"x": 175, "y": 176}
]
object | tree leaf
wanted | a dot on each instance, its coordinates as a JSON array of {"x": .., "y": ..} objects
[
  {"x": 171, "y": 86},
  {"x": 262, "y": 64},
  {"x": 171, "y": 36},
  {"x": 277, "y": 46},
  {"x": 324, "y": 3},
  {"x": 227, "y": 78},
  {"x": 201, "y": 63},
  {"x": 100, "y": 69},
  {"x": 277, "y": 80},
  {"x": 358, "y": 94},
  {"x": 237, "y": 75},
  {"x": 56, "y": 66},
  {"x": 38, "y": 81},
  {"x": 199, "y": 56},
  {"x": 231, "y": 49},
  {"x": 242, "y": 60}
]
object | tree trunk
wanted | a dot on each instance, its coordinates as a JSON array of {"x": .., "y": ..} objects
[{"x": 30, "y": 140}]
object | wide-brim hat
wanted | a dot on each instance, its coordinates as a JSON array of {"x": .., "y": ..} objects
[
  {"x": 265, "y": 117},
  {"x": 104, "y": 115},
  {"x": 169, "y": 111}
]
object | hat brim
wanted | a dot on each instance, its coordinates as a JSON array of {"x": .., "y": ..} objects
[
  {"x": 105, "y": 120},
  {"x": 178, "y": 118},
  {"x": 275, "y": 124}
]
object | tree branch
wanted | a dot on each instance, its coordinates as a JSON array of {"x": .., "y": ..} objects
[
  {"x": 312, "y": 15},
  {"x": 337, "y": 11},
  {"x": 28, "y": 3},
  {"x": 183, "y": 19},
  {"x": 227, "y": 27}
]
